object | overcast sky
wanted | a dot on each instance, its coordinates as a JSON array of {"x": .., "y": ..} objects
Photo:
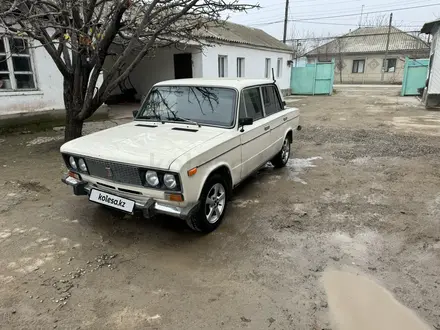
[{"x": 314, "y": 11}]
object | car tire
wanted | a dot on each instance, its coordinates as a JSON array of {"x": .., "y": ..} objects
[
  {"x": 281, "y": 159},
  {"x": 213, "y": 202}
]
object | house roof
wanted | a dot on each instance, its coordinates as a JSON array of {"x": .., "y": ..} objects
[
  {"x": 244, "y": 35},
  {"x": 427, "y": 27},
  {"x": 371, "y": 40}
]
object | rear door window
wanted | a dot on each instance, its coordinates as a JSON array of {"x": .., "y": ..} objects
[{"x": 271, "y": 100}]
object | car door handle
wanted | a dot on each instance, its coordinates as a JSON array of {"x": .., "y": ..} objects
[
  {"x": 267, "y": 128},
  {"x": 285, "y": 118}
]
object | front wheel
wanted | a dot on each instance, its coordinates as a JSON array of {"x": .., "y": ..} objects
[
  {"x": 212, "y": 205},
  {"x": 281, "y": 159}
]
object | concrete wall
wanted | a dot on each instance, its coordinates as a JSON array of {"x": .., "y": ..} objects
[
  {"x": 434, "y": 79},
  {"x": 48, "y": 94},
  {"x": 254, "y": 62}
]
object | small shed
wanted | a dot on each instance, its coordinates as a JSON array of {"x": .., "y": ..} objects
[{"x": 431, "y": 95}]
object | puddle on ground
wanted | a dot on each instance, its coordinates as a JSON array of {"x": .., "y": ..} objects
[
  {"x": 297, "y": 165},
  {"x": 357, "y": 302},
  {"x": 244, "y": 203},
  {"x": 43, "y": 139}
]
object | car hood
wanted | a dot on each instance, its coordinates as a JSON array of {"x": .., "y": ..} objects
[{"x": 147, "y": 144}]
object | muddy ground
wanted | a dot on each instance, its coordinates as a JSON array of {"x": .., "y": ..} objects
[{"x": 362, "y": 190}]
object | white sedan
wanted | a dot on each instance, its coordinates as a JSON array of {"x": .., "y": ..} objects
[{"x": 191, "y": 142}]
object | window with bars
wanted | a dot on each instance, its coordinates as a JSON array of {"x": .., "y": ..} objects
[{"x": 16, "y": 72}]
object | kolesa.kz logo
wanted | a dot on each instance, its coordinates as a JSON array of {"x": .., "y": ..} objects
[{"x": 113, "y": 201}]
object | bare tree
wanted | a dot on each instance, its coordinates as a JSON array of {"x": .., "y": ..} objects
[
  {"x": 301, "y": 42},
  {"x": 376, "y": 21},
  {"x": 80, "y": 35},
  {"x": 324, "y": 48},
  {"x": 340, "y": 44}
]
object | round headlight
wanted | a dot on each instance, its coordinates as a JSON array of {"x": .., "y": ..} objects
[
  {"x": 72, "y": 162},
  {"x": 82, "y": 165},
  {"x": 152, "y": 178},
  {"x": 170, "y": 181}
]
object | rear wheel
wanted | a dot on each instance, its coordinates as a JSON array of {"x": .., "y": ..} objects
[
  {"x": 212, "y": 205},
  {"x": 281, "y": 159}
]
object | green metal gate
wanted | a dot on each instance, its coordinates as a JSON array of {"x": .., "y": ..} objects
[
  {"x": 313, "y": 79},
  {"x": 414, "y": 76}
]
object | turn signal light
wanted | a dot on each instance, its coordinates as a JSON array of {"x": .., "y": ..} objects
[
  {"x": 74, "y": 175},
  {"x": 192, "y": 171},
  {"x": 174, "y": 197}
]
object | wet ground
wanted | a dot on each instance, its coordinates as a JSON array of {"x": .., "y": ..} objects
[{"x": 361, "y": 190}]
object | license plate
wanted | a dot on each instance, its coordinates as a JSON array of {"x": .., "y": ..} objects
[{"x": 116, "y": 202}]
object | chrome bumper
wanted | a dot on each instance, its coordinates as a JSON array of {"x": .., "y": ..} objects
[{"x": 149, "y": 208}]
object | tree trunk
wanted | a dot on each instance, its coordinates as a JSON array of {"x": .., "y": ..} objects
[{"x": 73, "y": 125}]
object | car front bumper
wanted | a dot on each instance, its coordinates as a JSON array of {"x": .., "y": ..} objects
[{"x": 149, "y": 208}]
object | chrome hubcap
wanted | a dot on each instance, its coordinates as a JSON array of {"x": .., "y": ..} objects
[
  {"x": 285, "y": 151},
  {"x": 215, "y": 203}
]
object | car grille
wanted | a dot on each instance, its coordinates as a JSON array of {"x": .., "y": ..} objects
[{"x": 113, "y": 171}]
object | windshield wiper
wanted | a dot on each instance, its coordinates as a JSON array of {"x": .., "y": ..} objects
[
  {"x": 158, "y": 118},
  {"x": 186, "y": 120}
]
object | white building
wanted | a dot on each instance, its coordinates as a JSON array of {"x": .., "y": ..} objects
[
  {"x": 432, "y": 92},
  {"x": 236, "y": 51},
  {"x": 30, "y": 81}
]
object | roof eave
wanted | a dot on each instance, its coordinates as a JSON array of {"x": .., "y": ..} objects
[
  {"x": 248, "y": 44},
  {"x": 428, "y": 27}
]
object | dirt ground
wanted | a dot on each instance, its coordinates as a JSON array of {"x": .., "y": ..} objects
[{"x": 362, "y": 190}]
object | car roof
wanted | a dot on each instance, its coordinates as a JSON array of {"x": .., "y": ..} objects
[{"x": 238, "y": 83}]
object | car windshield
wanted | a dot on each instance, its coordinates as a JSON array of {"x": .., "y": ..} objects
[{"x": 200, "y": 105}]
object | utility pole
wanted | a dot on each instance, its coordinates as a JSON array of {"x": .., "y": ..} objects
[
  {"x": 386, "y": 49},
  {"x": 286, "y": 16},
  {"x": 362, "y": 12}
]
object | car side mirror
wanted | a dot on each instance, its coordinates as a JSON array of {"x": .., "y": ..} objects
[
  {"x": 245, "y": 122},
  {"x": 135, "y": 112}
]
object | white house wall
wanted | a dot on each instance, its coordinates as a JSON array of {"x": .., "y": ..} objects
[
  {"x": 434, "y": 79},
  {"x": 158, "y": 67},
  {"x": 254, "y": 62},
  {"x": 48, "y": 94}
]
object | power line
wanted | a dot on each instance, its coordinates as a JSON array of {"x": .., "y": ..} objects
[
  {"x": 382, "y": 7},
  {"x": 353, "y": 24},
  {"x": 265, "y": 10},
  {"x": 300, "y": 1},
  {"x": 348, "y": 15},
  {"x": 272, "y": 8},
  {"x": 353, "y": 36}
]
